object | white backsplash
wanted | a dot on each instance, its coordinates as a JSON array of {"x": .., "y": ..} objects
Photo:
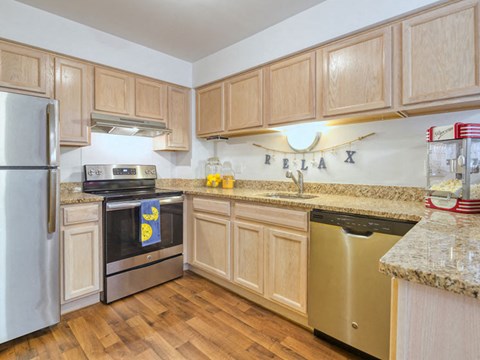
[{"x": 395, "y": 155}]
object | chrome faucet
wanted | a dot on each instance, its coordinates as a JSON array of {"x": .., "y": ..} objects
[{"x": 298, "y": 182}]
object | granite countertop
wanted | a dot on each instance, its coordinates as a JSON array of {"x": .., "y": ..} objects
[
  {"x": 402, "y": 210},
  {"x": 442, "y": 251},
  {"x": 71, "y": 193}
]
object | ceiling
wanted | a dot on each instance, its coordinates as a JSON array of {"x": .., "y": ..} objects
[{"x": 186, "y": 29}]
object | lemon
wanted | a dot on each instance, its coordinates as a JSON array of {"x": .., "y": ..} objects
[
  {"x": 153, "y": 216},
  {"x": 146, "y": 232}
]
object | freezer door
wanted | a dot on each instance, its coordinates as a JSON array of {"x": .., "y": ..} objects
[
  {"x": 29, "y": 253},
  {"x": 28, "y": 131}
]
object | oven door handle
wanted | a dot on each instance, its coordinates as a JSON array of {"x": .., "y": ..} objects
[{"x": 114, "y": 206}]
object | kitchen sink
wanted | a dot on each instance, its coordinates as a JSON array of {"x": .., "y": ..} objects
[{"x": 289, "y": 196}]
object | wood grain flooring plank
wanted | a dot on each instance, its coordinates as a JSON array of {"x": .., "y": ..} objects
[
  {"x": 315, "y": 352},
  {"x": 120, "y": 350},
  {"x": 163, "y": 348},
  {"x": 232, "y": 343},
  {"x": 189, "y": 351},
  {"x": 75, "y": 353},
  {"x": 257, "y": 351},
  {"x": 150, "y": 302},
  {"x": 89, "y": 343},
  {"x": 148, "y": 355}
]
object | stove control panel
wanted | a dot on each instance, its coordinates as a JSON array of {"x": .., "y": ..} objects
[{"x": 119, "y": 172}]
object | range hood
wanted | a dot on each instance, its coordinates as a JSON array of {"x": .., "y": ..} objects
[{"x": 118, "y": 125}]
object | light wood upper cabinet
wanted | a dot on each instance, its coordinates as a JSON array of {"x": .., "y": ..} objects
[
  {"x": 114, "y": 91},
  {"x": 74, "y": 91},
  {"x": 211, "y": 244},
  {"x": 357, "y": 73},
  {"x": 210, "y": 109},
  {"x": 248, "y": 252},
  {"x": 244, "y": 101},
  {"x": 290, "y": 90},
  {"x": 287, "y": 268},
  {"x": 178, "y": 119},
  {"x": 150, "y": 99},
  {"x": 81, "y": 251},
  {"x": 441, "y": 53},
  {"x": 26, "y": 70}
]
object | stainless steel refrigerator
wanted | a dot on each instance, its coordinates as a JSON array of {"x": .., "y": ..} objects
[{"x": 29, "y": 208}]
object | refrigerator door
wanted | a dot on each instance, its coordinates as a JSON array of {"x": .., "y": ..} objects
[
  {"x": 29, "y": 253},
  {"x": 28, "y": 131}
]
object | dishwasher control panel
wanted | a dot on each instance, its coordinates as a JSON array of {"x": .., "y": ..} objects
[{"x": 361, "y": 223}]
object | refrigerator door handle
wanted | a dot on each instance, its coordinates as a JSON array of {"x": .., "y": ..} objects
[
  {"x": 52, "y": 134},
  {"x": 52, "y": 200}
]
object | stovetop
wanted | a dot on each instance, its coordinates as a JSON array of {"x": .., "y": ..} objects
[{"x": 136, "y": 194}]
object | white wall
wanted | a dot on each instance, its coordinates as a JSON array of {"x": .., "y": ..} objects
[
  {"x": 394, "y": 156},
  {"x": 25, "y": 24},
  {"x": 326, "y": 21},
  {"x": 114, "y": 149}
]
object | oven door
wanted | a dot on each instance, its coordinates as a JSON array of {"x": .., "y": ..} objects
[{"x": 123, "y": 247}]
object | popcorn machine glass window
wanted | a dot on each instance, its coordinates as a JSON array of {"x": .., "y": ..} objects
[{"x": 453, "y": 177}]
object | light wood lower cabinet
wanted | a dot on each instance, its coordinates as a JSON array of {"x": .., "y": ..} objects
[
  {"x": 25, "y": 70},
  {"x": 287, "y": 268},
  {"x": 74, "y": 92},
  {"x": 211, "y": 244},
  {"x": 80, "y": 251},
  {"x": 249, "y": 255},
  {"x": 431, "y": 323},
  {"x": 268, "y": 257}
]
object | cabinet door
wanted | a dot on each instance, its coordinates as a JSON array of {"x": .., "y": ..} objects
[
  {"x": 150, "y": 99},
  {"x": 211, "y": 244},
  {"x": 441, "y": 53},
  {"x": 357, "y": 73},
  {"x": 248, "y": 256},
  {"x": 287, "y": 268},
  {"x": 114, "y": 91},
  {"x": 74, "y": 91},
  {"x": 25, "y": 69},
  {"x": 178, "y": 118},
  {"x": 210, "y": 110},
  {"x": 290, "y": 90},
  {"x": 81, "y": 261},
  {"x": 244, "y": 99}
]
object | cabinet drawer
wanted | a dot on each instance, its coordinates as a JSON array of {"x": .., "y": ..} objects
[
  {"x": 212, "y": 206},
  {"x": 80, "y": 214},
  {"x": 293, "y": 219}
]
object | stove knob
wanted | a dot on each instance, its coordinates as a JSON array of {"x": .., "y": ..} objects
[
  {"x": 91, "y": 172},
  {"x": 99, "y": 172}
]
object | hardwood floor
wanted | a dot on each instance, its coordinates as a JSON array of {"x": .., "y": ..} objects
[{"x": 188, "y": 318}]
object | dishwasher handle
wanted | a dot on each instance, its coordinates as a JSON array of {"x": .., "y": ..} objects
[{"x": 358, "y": 234}]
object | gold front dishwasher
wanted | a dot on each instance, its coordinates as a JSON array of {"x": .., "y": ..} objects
[{"x": 348, "y": 298}]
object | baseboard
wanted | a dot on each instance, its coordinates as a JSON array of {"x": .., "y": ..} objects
[{"x": 80, "y": 303}]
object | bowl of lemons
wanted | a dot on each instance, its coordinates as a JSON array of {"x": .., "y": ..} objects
[{"x": 214, "y": 180}]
